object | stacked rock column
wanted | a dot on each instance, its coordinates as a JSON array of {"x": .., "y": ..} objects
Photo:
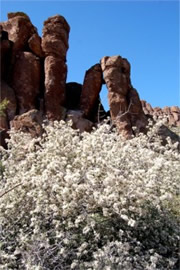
[
  {"x": 55, "y": 46},
  {"x": 91, "y": 88},
  {"x": 116, "y": 71},
  {"x": 125, "y": 105}
]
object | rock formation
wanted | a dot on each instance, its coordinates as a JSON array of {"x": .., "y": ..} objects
[
  {"x": 172, "y": 114},
  {"x": 33, "y": 81},
  {"x": 125, "y": 106},
  {"x": 30, "y": 121},
  {"x": 91, "y": 88},
  {"x": 55, "y": 46},
  {"x": 78, "y": 121},
  {"x": 26, "y": 80}
]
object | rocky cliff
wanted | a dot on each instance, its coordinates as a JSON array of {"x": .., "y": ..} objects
[
  {"x": 33, "y": 80},
  {"x": 172, "y": 114}
]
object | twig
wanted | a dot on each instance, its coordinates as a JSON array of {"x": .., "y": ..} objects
[{"x": 10, "y": 190}]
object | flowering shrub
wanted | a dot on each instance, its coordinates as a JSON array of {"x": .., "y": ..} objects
[{"x": 89, "y": 201}]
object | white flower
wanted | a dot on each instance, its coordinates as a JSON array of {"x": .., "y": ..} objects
[
  {"x": 131, "y": 222},
  {"x": 125, "y": 217},
  {"x": 86, "y": 230},
  {"x": 68, "y": 197}
]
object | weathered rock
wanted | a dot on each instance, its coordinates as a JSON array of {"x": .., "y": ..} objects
[
  {"x": 19, "y": 28},
  {"x": 55, "y": 36},
  {"x": 73, "y": 93},
  {"x": 143, "y": 102},
  {"x": 149, "y": 108},
  {"x": 3, "y": 121},
  {"x": 125, "y": 106},
  {"x": 145, "y": 111},
  {"x": 30, "y": 122},
  {"x": 119, "y": 113},
  {"x": 91, "y": 88},
  {"x": 175, "y": 109},
  {"x": 11, "y": 15},
  {"x": 157, "y": 110},
  {"x": 171, "y": 121},
  {"x": 35, "y": 45},
  {"x": 55, "y": 84},
  {"x": 176, "y": 116},
  {"x": 166, "y": 110},
  {"x": 8, "y": 93},
  {"x": 26, "y": 80},
  {"x": 46, "y": 90},
  {"x": 137, "y": 116},
  {"x": 55, "y": 45},
  {"x": 171, "y": 114},
  {"x": 5, "y": 55},
  {"x": 116, "y": 71},
  {"x": 78, "y": 122}
]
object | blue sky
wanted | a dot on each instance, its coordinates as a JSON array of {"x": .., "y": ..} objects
[{"x": 144, "y": 32}]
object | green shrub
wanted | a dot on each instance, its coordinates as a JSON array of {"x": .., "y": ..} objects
[{"x": 3, "y": 107}]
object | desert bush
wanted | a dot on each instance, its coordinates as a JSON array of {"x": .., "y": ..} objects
[
  {"x": 176, "y": 130},
  {"x": 89, "y": 201}
]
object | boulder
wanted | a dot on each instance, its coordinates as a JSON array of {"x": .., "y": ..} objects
[
  {"x": 30, "y": 122},
  {"x": 20, "y": 29},
  {"x": 35, "y": 45},
  {"x": 55, "y": 36},
  {"x": 91, "y": 88},
  {"x": 8, "y": 93},
  {"x": 55, "y": 87},
  {"x": 26, "y": 80},
  {"x": 78, "y": 122}
]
